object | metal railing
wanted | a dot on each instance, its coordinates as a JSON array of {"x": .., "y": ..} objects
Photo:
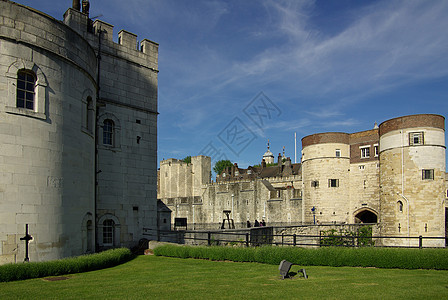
[{"x": 265, "y": 236}]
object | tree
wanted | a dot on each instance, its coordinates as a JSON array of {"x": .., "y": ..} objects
[
  {"x": 187, "y": 159},
  {"x": 220, "y": 165}
]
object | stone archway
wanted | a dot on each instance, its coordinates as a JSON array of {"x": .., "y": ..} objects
[{"x": 366, "y": 216}]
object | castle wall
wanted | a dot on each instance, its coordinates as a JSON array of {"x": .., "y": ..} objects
[
  {"x": 47, "y": 158},
  {"x": 181, "y": 179},
  {"x": 347, "y": 179},
  {"x": 364, "y": 175},
  {"x": 246, "y": 200},
  {"x": 47, "y": 153},
  {"x": 127, "y": 183}
]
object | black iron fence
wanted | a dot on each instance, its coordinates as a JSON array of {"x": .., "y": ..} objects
[{"x": 259, "y": 236}]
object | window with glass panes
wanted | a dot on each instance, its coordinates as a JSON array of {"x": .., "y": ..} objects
[
  {"x": 108, "y": 232},
  {"x": 108, "y": 132},
  {"x": 26, "y": 81}
]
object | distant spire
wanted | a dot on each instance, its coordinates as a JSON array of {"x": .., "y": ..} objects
[
  {"x": 268, "y": 144},
  {"x": 85, "y": 6},
  {"x": 375, "y": 126},
  {"x": 283, "y": 151}
]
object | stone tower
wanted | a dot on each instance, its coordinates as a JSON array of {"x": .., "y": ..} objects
[
  {"x": 325, "y": 175},
  {"x": 78, "y": 134},
  {"x": 412, "y": 174}
]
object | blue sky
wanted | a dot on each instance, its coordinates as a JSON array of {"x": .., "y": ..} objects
[{"x": 234, "y": 74}]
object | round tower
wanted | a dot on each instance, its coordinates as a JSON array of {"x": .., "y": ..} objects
[
  {"x": 47, "y": 141},
  {"x": 325, "y": 175},
  {"x": 412, "y": 174}
]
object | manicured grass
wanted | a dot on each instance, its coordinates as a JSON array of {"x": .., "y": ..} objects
[{"x": 154, "y": 277}]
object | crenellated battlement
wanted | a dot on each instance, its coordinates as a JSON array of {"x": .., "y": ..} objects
[{"x": 144, "y": 53}]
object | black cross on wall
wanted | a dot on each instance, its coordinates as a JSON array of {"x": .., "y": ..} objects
[{"x": 27, "y": 238}]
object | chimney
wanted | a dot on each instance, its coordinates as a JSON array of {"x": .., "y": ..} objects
[
  {"x": 263, "y": 164},
  {"x": 76, "y": 5}
]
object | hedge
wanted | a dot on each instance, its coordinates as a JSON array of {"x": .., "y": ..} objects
[
  {"x": 84, "y": 263},
  {"x": 324, "y": 256}
]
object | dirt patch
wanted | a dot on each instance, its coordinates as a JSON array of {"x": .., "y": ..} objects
[{"x": 58, "y": 278}]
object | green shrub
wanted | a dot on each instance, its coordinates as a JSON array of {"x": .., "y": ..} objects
[
  {"x": 84, "y": 263},
  {"x": 361, "y": 238},
  {"x": 323, "y": 256}
]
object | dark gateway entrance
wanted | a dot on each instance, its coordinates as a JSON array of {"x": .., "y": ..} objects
[{"x": 366, "y": 216}]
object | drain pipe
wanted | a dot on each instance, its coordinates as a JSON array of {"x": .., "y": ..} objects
[
  {"x": 97, "y": 171},
  {"x": 402, "y": 185}
]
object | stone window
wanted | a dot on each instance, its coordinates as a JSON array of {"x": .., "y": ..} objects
[
  {"x": 376, "y": 150},
  {"x": 88, "y": 112},
  {"x": 26, "y": 84},
  {"x": 365, "y": 151},
  {"x": 400, "y": 206},
  {"x": 89, "y": 115},
  {"x": 338, "y": 152},
  {"x": 315, "y": 183},
  {"x": 108, "y": 132},
  {"x": 416, "y": 138},
  {"x": 297, "y": 194},
  {"x": 428, "y": 174},
  {"x": 26, "y": 81},
  {"x": 333, "y": 182},
  {"x": 108, "y": 232},
  {"x": 277, "y": 194}
]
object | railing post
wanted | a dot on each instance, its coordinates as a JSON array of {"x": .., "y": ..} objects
[
  {"x": 420, "y": 242},
  {"x": 209, "y": 238},
  {"x": 247, "y": 239},
  {"x": 282, "y": 239},
  {"x": 294, "y": 239}
]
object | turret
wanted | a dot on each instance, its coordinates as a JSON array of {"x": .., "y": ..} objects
[{"x": 412, "y": 171}]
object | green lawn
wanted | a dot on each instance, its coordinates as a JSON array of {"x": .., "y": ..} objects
[{"x": 152, "y": 277}]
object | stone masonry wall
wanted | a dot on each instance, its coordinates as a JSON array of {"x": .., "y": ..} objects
[{"x": 46, "y": 153}]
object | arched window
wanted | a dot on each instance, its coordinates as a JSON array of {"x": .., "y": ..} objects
[
  {"x": 400, "y": 206},
  {"x": 89, "y": 230},
  {"x": 89, "y": 114},
  {"x": 26, "y": 82},
  {"x": 108, "y": 132},
  {"x": 108, "y": 232}
]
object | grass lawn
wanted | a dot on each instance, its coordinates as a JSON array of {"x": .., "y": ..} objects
[{"x": 152, "y": 277}]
